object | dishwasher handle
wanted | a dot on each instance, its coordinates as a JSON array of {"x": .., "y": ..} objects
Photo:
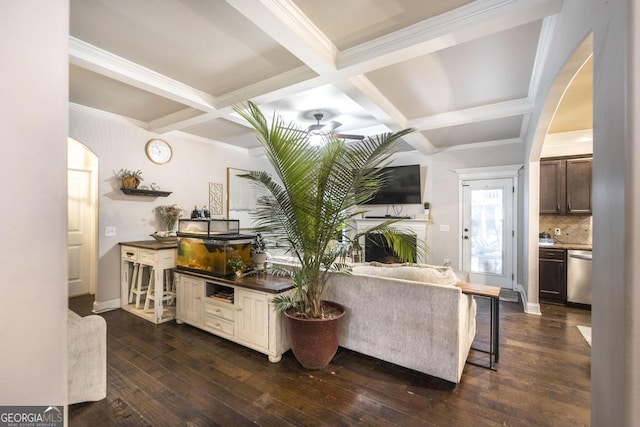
[{"x": 584, "y": 257}]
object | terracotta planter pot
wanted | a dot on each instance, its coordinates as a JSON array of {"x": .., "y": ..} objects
[{"x": 314, "y": 342}]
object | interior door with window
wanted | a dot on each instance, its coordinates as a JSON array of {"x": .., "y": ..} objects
[{"x": 488, "y": 231}]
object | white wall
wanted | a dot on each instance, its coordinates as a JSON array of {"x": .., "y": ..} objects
[
  {"x": 33, "y": 307},
  {"x": 119, "y": 144}
]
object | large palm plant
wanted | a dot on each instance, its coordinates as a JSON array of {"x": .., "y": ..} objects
[{"x": 315, "y": 197}]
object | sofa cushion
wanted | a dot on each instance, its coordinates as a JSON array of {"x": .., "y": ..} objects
[{"x": 415, "y": 272}]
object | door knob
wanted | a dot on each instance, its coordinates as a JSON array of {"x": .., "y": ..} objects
[
  {"x": 466, "y": 230},
  {"x": 466, "y": 237}
]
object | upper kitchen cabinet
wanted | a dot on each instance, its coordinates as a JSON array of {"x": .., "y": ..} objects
[
  {"x": 552, "y": 186},
  {"x": 565, "y": 186},
  {"x": 579, "y": 186}
]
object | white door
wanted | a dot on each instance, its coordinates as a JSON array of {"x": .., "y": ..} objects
[
  {"x": 80, "y": 230},
  {"x": 488, "y": 231}
]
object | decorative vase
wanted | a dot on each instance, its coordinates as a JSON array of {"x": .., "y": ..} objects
[
  {"x": 259, "y": 259},
  {"x": 130, "y": 182},
  {"x": 314, "y": 342}
]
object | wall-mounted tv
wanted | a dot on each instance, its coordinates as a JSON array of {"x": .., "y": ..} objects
[{"x": 402, "y": 186}]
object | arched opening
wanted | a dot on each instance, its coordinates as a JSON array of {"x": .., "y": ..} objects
[
  {"x": 564, "y": 78},
  {"x": 82, "y": 218}
]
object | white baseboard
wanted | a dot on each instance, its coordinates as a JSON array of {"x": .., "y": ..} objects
[
  {"x": 529, "y": 307},
  {"x": 101, "y": 307}
]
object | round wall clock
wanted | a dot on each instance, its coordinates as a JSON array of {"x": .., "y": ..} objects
[{"x": 158, "y": 151}]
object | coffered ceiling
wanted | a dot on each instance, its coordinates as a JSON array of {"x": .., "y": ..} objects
[{"x": 460, "y": 72}]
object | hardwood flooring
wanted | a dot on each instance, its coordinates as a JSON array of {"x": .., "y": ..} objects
[{"x": 177, "y": 375}]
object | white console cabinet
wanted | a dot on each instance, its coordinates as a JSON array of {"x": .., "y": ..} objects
[{"x": 240, "y": 311}]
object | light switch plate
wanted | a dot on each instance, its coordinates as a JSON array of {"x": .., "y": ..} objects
[
  {"x": 444, "y": 227},
  {"x": 109, "y": 231}
]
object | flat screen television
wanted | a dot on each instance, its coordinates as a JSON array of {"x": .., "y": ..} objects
[{"x": 402, "y": 186}]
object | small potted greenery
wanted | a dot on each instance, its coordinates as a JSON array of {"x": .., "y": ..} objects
[
  {"x": 129, "y": 178},
  {"x": 259, "y": 252},
  {"x": 237, "y": 266}
]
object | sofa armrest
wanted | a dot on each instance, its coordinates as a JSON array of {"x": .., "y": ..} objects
[{"x": 86, "y": 359}]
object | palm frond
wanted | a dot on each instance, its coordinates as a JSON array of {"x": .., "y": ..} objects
[{"x": 317, "y": 191}]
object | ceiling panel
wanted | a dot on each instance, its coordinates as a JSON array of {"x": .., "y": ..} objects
[
  {"x": 486, "y": 131},
  {"x": 328, "y": 100},
  {"x": 223, "y": 130},
  {"x": 349, "y": 23},
  {"x": 97, "y": 91},
  {"x": 487, "y": 70},
  {"x": 204, "y": 44}
]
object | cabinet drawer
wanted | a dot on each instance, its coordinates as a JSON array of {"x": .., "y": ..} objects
[
  {"x": 552, "y": 254},
  {"x": 129, "y": 253},
  {"x": 218, "y": 310},
  {"x": 147, "y": 256},
  {"x": 218, "y": 324}
]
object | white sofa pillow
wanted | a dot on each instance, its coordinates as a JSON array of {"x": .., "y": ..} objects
[{"x": 415, "y": 272}]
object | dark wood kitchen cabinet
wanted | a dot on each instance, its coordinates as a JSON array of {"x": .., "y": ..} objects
[
  {"x": 579, "y": 186},
  {"x": 552, "y": 186},
  {"x": 565, "y": 186},
  {"x": 552, "y": 274}
]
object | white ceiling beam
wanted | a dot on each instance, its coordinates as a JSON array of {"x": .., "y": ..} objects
[
  {"x": 498, "y": 110},
  {"x": 283, "y": 21},
  {"x": 100, "y": 61},
  {"x": 477, "y": 19}
]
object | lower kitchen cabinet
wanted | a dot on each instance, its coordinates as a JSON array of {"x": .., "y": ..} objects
[
  {"x": 553, "y": 276},
  {"x": 242, "y": 315}
]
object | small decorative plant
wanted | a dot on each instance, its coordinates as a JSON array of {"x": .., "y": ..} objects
[
  {"x": 129, "y": 178},
  {"x": 259, "y": 252},
  {"x": 236, "y": 265},
  {"x": 259, "y": 246},
  {"x": 169, "y": 215},
  {"x": 426, "y": 205}
]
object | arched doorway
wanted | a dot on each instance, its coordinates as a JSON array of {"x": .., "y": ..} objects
[
  {"x": 532, "y": 166},
  {"x": 82, "y": 218}
]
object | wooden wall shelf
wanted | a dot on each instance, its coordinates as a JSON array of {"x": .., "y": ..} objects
[{"x": 140, "y": 192}]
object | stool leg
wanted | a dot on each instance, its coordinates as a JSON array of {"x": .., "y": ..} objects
[
  {"x": 134, "y": 279},
  {"x": 151, "y": 296}
]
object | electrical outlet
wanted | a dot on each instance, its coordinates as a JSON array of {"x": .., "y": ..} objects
[
  {"x": 109, "y": 231},
  {"x": 557, "y": 232}
]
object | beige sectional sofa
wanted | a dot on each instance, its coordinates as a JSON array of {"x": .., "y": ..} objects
[
  {"x": 413, "y": 316},
  {"x": 86, "y": 358}
]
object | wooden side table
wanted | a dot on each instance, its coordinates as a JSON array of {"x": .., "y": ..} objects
[{"x": 493, "y": 293}]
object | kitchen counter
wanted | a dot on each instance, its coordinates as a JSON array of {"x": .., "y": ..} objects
[{"x": 576, "y": 246}]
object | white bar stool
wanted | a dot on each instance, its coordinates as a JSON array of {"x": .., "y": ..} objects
[
  {"x": 168, "y": 292},
  {"x": 138, "y": 287}
]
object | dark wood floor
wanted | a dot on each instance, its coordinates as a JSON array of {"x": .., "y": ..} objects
[{"x": 177, "y": 375}]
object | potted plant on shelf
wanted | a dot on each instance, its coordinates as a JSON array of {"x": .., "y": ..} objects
[
  {"x": 237, "y": 266},
  {"x": 317, "y": 191},
  {"x": 129, "y": 178},
  {"x": 259, "y": 252}
]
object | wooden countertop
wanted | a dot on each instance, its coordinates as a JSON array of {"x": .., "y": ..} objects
[
  {"x": 262, "y": 282},
  {"x": 151, "y": 244},
  {"x": 479, "y": 290}
]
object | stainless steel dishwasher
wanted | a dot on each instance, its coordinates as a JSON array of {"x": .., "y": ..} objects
[{"x": 579, "y": 277}]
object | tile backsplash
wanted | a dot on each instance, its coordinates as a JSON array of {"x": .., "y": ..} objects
[{"x": 575, "y": 228}]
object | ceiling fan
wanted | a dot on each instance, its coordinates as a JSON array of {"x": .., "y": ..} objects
[{"x": 324, "y": 128}]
